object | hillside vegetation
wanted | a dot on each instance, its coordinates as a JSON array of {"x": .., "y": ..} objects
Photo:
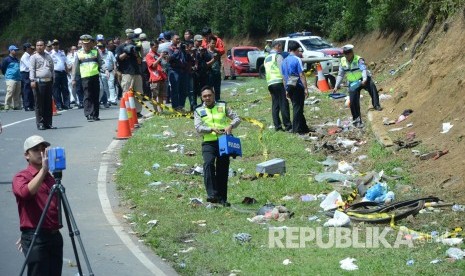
[{"x": 337, "y": 19}]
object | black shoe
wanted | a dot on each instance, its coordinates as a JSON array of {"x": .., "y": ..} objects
[
  {"x": 59, "y": 109},
  {"x": 139, "y": 115},
  {"x": 80, "y": 106},
  {"x": 41, "y": 127},
  {"x": 212, "y": 199},
  {"x": 29, "y": 109},
  {"x": 90, "y": 118},
  {"x": 378, "y": 108},
  {"x": 50, "y": 127},
  {"x": 96, "y": 118},
  {"x": 106, "y": 105}
]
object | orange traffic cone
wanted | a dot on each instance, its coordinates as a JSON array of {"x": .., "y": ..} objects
[
  {"x": 124, "y": 130},
  {"x": 54, "y": 108},
  {"x": 322, "y": 82},
  {"x": 132, "y": 105},
  {"x": 128, "y": 109}
]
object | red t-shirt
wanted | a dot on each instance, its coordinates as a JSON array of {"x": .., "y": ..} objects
[
  {"x": 30, "y": 206},
  {"x": 156, "y": 74}
]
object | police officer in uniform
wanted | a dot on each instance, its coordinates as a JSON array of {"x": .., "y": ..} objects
[
  {"x": 211, "y": 120},
  {"x": 87, "y": 65},
  {"x": 358, "y": 76},
  {"x": 274, "y": 79}
]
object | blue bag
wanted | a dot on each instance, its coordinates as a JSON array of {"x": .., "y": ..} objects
[{"x": 229, "y": 145}]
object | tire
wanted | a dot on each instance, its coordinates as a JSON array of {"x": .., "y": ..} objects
[{"x": 261, "y": 71}]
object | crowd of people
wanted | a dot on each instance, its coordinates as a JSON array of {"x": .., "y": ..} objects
[{"x": 95, "y": 72}]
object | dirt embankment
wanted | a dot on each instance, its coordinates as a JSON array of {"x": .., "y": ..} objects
[{"x": 433, "y": 87}]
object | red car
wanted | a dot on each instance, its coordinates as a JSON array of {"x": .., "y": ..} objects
[{"x": 237, "y": 63}]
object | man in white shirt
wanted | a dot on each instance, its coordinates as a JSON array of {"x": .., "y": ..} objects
[
  {"x": 107, "y": 76},
  {"x": 60, "y": 81},
  {"x": 24, "y": 65}
]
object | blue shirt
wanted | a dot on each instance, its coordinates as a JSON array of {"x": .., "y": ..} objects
[
  {"x": 109, "y": 60},
  {"x": 10, "y": 68},
  {"x": 292, "y": 66}
]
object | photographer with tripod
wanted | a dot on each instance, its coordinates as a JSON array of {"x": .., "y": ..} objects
[
  {"x": 31, "y": 188},
  {"x": 40, "y": 198}
]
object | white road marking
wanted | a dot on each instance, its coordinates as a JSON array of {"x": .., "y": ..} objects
[
  {"x": 25, "y": 120},
  {"x": 106, "y": 207}
]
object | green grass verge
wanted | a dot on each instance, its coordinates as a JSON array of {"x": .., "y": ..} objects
[{"x": 210, "y": 231}]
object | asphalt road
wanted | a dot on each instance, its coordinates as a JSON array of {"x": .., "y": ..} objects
[
  {"x": 91, "y": 155},
  {"x": 91, "y": 160}
]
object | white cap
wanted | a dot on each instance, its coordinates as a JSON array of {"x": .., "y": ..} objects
[
  {"x": 34, "y": 141},
  {"x": 137, "y": 31},
  {"x": 347, "y": 47},
  {"x": 143, "y": 36}
]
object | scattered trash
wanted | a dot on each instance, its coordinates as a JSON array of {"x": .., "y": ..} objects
[
  {"x": 257, "y": 219},
  {"x": 249, "y": 200},
  {"x": 379, "y": 193},
  {"x": 434, "y": 155},
  {"x": 196, "y": 202},
  {"x": 307, "y": 198},
  {"x": 286, "y": 198},
  {"x": 435, "y": 261},
  {"x": 458, "y": 208},
  {"x": 271, "y": 212},
  {"x": 312, "y": 218},
  {"x": 287, "y": 262},
  {"x": 451, "y": 241},
  {"x": 147, "y": 173},
  {"x": 339, "y": 219},
  {"x": 332, "y": 177},
  {"x": 329, "y": 162},
  {"x": 197, "y": 170},
  {"x": 332, "y": 201},
  {"x": 310, "y": 102},
  {"x": 242, "y": 237},
  {"x": 455, "y": 253},
  {"x": 155, "y": 184},
  {"x": 410, "y": 262},
  {"x": 155, "y": 166},
  {"x": 187, "y": 250},
  {"x": 182, "y": 265},
  {"x": 387, "y": 122},
  {"x": 344, "y": 167},
  {"x": 348, "y": 264},
  {"x": 384, "y": 97},
  {"x": 179, "y": 165},
  {"x": 446, "y": 127},
  {"x": 152, "y": 222}
]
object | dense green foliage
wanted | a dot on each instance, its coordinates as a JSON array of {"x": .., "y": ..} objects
[{"x": 337, "y": 19}]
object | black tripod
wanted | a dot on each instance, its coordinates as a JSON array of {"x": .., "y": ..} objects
[{"x": 59, "y": 190}]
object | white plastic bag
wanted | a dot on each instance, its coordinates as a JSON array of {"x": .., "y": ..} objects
[
  {"x": 331, "y": 201},
  {"x": 339, "y": 219}
]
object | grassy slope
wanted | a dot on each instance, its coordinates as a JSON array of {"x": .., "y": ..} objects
[{"x": 216, "y": 251}]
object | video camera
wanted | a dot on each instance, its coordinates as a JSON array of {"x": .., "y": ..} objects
[{"x": 56, "y": 160}]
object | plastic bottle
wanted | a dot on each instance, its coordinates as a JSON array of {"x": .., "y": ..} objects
[{"x": 181, "y": 149}]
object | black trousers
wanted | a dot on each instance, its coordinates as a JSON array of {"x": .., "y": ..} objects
[
  {"x": 145, "y": 79},
  {"x": 79, "y": 90},
  {"x": 91, "y": 88},
  {"x": 355, "y": 98},
  {"x": 46, "y": 257},
  {"x": 28, "y": 95},
  {"x": 215, "y": 171},
  {"x": 60, "y": 90},
  {"x": 297, "y": 95},
  {"x": 43, "y": 103},
  {"x": 279, "y": 104}
]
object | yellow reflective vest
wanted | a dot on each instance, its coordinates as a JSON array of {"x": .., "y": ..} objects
[
  {"x": 88, "y": 63},
  {"x": 273, "y": 75},
  {"x": 214, "y": 117},
  {"x": 352, "y": 70}
]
